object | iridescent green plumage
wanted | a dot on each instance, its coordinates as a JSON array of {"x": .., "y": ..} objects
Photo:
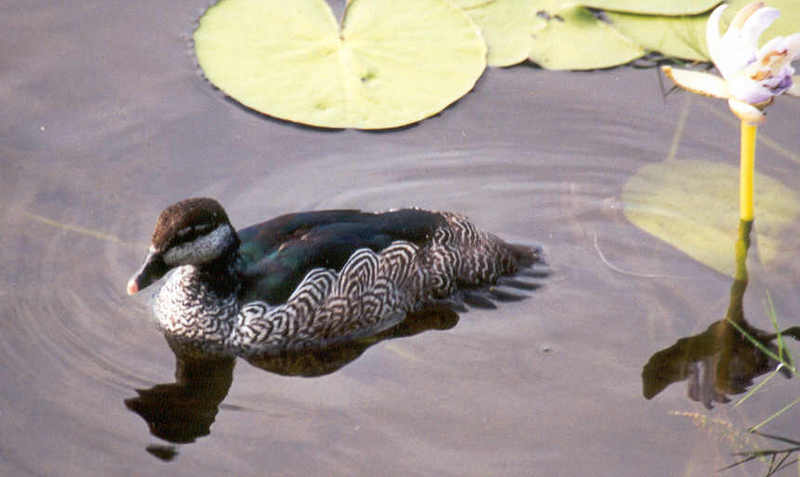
[{"x": 277, "y": 254}]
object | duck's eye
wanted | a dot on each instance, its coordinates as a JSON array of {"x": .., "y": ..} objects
[
  {"x": 201, "y": 228},
  {"x": 193, "y": 231}
]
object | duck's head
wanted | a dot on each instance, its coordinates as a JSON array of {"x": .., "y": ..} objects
[{"x": 191, "y": 232}]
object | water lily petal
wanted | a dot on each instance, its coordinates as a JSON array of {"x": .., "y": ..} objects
[
  {"x": 772, "y": 71},
  {"x": 793, "y": 46},
  {"x": 698, "y": 82},
  {"x": 738, "y": 46},
  {"x": 783, "y": 53},
  {"x": 713, "y": 38},
  {"x": 746, "y": 112},
  {"x": 744, "y": 13},
  {"x": 757, "y": 22},
  {"x": 745, "y": 89},
  {"x": 794, "y": 90}
]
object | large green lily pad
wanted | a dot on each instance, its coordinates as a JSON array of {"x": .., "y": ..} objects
[
  {"x": 390, "y": 64},
  {"x": 572, "y": 38},
  {"x": 694, "y": 206},
  {"x": 654, "y": 7}
]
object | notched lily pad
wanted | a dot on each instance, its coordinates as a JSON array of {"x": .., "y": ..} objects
[
  {"x": 654, "y": 7},
  {"x": 390, "y": 64},
  {"x": 693, "y": 206},
  {"x": 573, "y": 38}
]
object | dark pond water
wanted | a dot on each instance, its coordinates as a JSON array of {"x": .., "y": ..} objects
[{"x": 105, "y": 121}]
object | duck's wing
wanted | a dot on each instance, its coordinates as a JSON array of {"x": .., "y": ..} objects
[{"x": 277, "y": 254}]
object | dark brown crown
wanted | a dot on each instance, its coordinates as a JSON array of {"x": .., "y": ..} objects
[{"x": 186, "y": 219}]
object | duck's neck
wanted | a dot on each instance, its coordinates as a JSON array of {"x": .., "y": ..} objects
[
  {"x": 200, "y": 302},
  {"x": 220, "y": 275}
]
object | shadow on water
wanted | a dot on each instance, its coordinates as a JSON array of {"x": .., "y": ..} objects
[
  {"x": 721, "y": 360},
  {"x": 183, "y": 411},
  {"x": 724, "y": 360}
]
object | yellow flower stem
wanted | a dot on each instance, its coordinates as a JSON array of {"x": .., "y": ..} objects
[{"x": 746, "y": 170}]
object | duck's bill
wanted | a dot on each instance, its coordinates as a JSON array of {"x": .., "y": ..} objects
[{"x": 152, "y": 269}]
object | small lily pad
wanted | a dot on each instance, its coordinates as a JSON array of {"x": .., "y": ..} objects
[
  {"x": 693, "y": 206},
  {"x": 677, "y": 37},
  {"x": 572, "y": 38},
  {"x": 506, "y": 25},
  {"x": 390, "y": 64},
  {"x": 654, "y": 7}
]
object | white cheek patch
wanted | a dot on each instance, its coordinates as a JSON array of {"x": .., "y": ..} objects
[{"x": 202, "y": 249}]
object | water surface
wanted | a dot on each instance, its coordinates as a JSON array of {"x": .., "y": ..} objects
[{"x": 106, "y": 121}]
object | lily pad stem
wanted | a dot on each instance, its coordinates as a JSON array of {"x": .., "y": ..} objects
[{"x": 746, "y": 170}]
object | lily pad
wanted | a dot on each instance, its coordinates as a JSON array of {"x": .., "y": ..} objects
[
  {"x": 685, "y": 36},
  {"x": 693, "y": 206},
  {"x": 677, "y": 37},
  {"x": 390, "y": 64},
  {"x": 572, "y": 38},
  {"x": 654, "y": 7},
  {"x": 506, "y": 25},
  {"x": 471, "y": 3}
]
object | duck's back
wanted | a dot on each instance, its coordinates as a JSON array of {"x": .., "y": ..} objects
[{"x": 277, "y": 254}]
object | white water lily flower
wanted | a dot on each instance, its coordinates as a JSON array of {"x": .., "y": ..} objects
[{"x": 751, "y": 76}]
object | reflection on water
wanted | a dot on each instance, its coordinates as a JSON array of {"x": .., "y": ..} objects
[
  {"x": 716, "y": 363},
  {"x": 326, "y": 361},
  {"x": 721, "y": 360},
  {"x": 183, "y": 411}
]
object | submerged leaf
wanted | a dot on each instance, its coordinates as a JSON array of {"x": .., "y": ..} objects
[
  {"x": 392, "y": 63},
  {"x": 654, "y": 7},
  {"x": 572, "y": 38},
  {"x": 693, "y": 206}
]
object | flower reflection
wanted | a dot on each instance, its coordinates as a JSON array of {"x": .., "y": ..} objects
[
  {"x": 720, "y": 361},
  {"x": 716, "y": 363}
]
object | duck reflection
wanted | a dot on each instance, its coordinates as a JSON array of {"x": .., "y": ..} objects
[
  {"x": 183, "y": 411},
  {"x": 720, "y": 361}
]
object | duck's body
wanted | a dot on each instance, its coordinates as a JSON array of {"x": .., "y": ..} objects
[{"x": 311, "y": 279}]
